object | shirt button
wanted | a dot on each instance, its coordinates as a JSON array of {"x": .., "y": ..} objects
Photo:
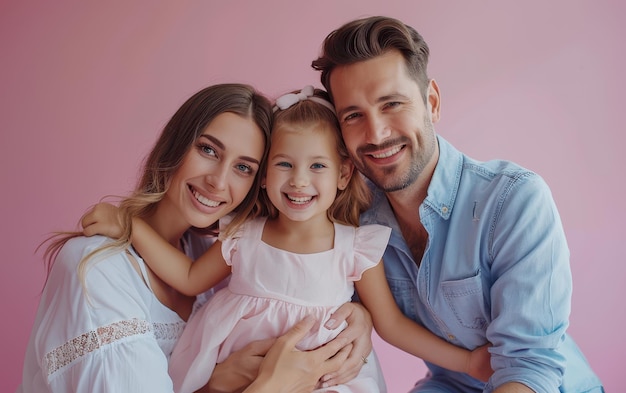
[
  {"x": 451, "y": 337},
  {"x": 444, "y": 209}
]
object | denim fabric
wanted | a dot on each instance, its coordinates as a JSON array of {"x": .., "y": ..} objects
[{"x": 496, "y": 268}]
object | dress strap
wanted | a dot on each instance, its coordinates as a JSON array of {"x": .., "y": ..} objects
[
  {"x": 344, "y": 237},
  {"x": 256, "y": 227}
]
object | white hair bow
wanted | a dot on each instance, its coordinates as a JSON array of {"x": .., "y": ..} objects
[{"x": 286, "y": 101}]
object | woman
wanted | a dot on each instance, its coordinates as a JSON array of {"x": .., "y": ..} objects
[{"x": 110, "y": 325}]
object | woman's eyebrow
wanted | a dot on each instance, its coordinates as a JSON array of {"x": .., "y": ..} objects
[
  {"x": 221, "y": 146},
  {"x": 213, "y": 139}
]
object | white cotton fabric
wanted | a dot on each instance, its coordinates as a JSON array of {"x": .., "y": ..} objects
[{"x": 114, "y": 337}]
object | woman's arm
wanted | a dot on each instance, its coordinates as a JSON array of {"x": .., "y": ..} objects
[
  {"x": 239, "y": 370},
  {"x": 95, "y": 340},
  {"x": 286, "y": 369},
  {"x": 275, "y": 365},
  {"x": 398, "y": 330},
  {"x": 169, "y": 263}
]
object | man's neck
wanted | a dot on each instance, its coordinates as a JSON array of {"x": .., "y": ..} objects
[{"x": 407, "y": 201}]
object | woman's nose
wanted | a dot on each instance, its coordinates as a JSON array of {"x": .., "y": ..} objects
[{"x": 218, "y": 178}]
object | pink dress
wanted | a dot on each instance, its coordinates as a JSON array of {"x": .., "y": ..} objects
[{"x": 269, "y": 291}]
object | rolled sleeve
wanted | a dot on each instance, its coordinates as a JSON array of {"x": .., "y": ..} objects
[{"x": 531, "y": 288}]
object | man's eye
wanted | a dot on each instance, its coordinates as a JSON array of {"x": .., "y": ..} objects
[{"x": 351, "y": 116}]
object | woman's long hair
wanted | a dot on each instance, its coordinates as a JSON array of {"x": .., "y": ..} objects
[{"x": 176, "y": 139}]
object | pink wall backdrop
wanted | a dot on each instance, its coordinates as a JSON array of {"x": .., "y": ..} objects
[{"x": 85, "y": 87}]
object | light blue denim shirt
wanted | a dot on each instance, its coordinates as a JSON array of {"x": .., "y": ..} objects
[{"x": 496, "y": 268}]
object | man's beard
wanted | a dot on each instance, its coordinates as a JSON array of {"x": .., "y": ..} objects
[{"x": 390, "y": 180}]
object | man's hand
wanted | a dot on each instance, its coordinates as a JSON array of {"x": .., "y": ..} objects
[{"x": 359, "y": 333}]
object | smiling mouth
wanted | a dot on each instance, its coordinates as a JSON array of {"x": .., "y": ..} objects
[
  {"x": 299, "y": 200},
  {"x": 387, "y": 153},
  {"x": 203, "y": 200}
]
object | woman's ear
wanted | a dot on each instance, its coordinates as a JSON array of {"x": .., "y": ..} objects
[{"x": 345, "y": 174}]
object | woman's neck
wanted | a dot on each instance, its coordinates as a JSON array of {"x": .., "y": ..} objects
[{"x": 167, "y": 225}]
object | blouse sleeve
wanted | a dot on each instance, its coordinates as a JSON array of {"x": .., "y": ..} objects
[
  {"x": 369, "y": 246},
  {"x": 94, "y": 337}
]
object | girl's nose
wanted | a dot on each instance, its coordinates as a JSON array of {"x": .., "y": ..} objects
[{"x": 299, "y": 179}]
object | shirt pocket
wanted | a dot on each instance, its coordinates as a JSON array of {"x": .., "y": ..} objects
[
  {"x": 465, "y": 299},
  {"x": 405, "y": 294}
]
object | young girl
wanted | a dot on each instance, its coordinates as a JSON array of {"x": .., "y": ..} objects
[{"x": 303, "y": 256}]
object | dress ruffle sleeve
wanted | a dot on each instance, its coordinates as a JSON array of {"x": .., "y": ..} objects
[
  {"x": 370, "y": 242},
  {"x": 229, "y": 244}
]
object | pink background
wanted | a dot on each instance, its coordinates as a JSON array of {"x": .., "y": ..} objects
[{"x": 87, "y": 86}]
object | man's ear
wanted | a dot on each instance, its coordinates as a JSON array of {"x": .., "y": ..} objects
[
  {"x": 345, "y": 174},
  {"x": 434, "y": 101}
]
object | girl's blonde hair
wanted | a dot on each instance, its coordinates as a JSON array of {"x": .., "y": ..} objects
[
  {"x": 176, "y": 139},
  {"x": 355, "y": 198}
]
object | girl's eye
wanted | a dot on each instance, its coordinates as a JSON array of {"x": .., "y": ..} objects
[
  {"x": 283, "y": 164},
  {"x": 318, "y": 166}
]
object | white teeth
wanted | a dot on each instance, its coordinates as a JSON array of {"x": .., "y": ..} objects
[
  {"x": 388, "y": 153},
  {"x": 299, "y": 199},
  {"x": 205, "y": 201}
]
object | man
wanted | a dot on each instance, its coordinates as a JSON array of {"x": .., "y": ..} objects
[{"x": 478, "y": 253}]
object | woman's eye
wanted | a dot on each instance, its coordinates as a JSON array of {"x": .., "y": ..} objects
[
  {"x": 244, "y": 168},
  {"x": 206, "y": 149}
]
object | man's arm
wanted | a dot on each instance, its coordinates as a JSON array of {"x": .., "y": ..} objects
[
  {"x": 513, "y": 387},
  {"x": 531, "y": 289}
]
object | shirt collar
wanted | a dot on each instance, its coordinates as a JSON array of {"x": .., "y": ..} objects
[
  {"x": 442, "y": 190},
  {"x": 444, "y": 184}
]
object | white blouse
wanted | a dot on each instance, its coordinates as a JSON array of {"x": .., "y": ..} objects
[{"x": 110, "y": 335}]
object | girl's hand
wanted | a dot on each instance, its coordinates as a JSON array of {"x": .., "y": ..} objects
[
  {"x": 102, "y": 219},
  {"x": 359, "y": 333},
  {"x": 479, "y": 363}
]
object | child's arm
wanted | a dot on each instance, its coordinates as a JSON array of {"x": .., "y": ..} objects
[
  {"x": 173, "y": 266},
  {"x": 398, "y": 330},
  {"x": 166, "y": 261}
]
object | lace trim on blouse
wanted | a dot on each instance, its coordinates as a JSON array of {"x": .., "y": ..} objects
[{"x": 91, "y": 341}]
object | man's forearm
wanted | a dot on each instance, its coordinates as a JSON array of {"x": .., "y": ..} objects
[{"x": 513, "y": 387}]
